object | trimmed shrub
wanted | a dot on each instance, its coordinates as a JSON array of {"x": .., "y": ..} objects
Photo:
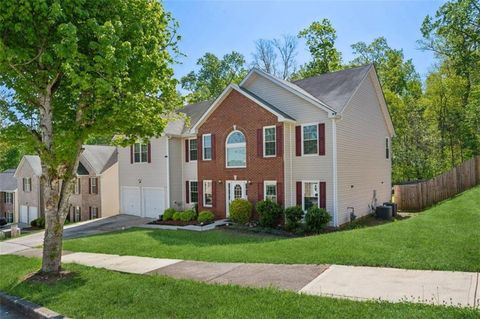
[
  {"x": 176, "y": 216},
  {"x": 293, "y": 217},
  {"x": 205, "y": 217},
  {"x": 168, "y": 214},
  {"x": 39, "y": 222},
  {"x": 268, "y": 213},
  {"x": 240, "y": 211},
  {"x": 187, "y": 216},
  {"x": 316, "y": 218}
]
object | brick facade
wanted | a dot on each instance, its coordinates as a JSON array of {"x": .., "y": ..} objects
[
  {"x": 85, "y": 200},
  {"x": 238, "y": 111}
]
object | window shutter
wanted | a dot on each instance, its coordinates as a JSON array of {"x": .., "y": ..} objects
[
  {"x": 186, "y": 151},
  {"x": 187, "y": 191},
  {"x": 213, "y": 148},
  {"x": 199, "y": 148},
  {"x": 149, "y": 152},
  {"x": 260, "y": 142},
  {"x": 280, "y": 193},
  {"x": 279, "y": 141},
  {"x": 131, "y": 154},
  {"x": 200, "y": 193},
  {"x": 23, "y": 184},
  {"x": 214, "y": 192},
  {"x": 298, "y": 140},
  {"x": 321, "y": 139},
  {"x": 323, "y": 195},
  {"x": 89, "y": 185},
  {"x": 299, "y": 194},
  {"x": 97, "y": 187},
  {"x": 260, "y": 191},
  {"x": 90, "y": 212}
]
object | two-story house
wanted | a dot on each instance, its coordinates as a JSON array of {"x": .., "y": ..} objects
[
  {"x": 321, "y": 141},
  {"x": 8, "y": 196}
]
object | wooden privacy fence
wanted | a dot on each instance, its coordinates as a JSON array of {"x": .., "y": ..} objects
[{"x": 420, "y": 195}]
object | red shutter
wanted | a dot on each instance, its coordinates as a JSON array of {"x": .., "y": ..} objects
[
  {"x": 187, "y": 192},
  {"x": 299, "y": 194},
  {"x": 321, "y": 139},
  {"x": 214, "y": 193},
  {"x": 213, "y": 147},
  {"x": 279, "y": 141},
  {"x": 199, "y": 148},
  {"x": 200, "y": 193},
  {"x": 260, "y": 142},
  {"x": 89, "y": 185},
  {"x": 323, "y": 195},
  {"x": 149, "y": 152},
  {"x": 260, "y": 191},
  {"x": 131, "y": 154},
  {"x": 298, "y": 140},
  {"x": 186, "y": 151},
  {"x": 280, "y": 193}
]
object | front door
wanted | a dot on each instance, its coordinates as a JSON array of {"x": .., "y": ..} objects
[{"x": 235, "y": 190}]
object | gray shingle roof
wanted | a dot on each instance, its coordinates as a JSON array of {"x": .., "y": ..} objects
[
  {"x": 8, "y": 183},
  {"x": 335, "y": 88},
  {"x": 195, "y": 111},
  {"x": 100, "y": 157},
  {"x": 35, "y": 163}
]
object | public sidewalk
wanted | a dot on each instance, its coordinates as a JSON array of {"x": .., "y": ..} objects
[{"x": 459, "y": 289}]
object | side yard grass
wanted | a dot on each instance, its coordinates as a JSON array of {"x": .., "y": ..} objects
[
  {"x": 445, "y": 237},
  {"x": 98, "y": 293}
]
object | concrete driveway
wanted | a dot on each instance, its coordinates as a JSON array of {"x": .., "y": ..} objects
[{"x": 87, "y": 228}]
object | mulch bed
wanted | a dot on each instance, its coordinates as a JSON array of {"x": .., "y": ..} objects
[
  {"x": 177, "y": 223},
  {"x": 39, "y": 277}
]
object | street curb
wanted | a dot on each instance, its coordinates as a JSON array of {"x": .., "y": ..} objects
[{"x": 28, "y": 308}]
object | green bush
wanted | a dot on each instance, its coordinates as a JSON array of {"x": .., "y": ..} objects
[
  {"x": 293, "y": 217},
  {"x": 39, "y": 222},
  {"x": 268, "y": 213},
  {"x": 168, "y": 214},
  {"x": 187, "y": 216},
  {"x": 240, "y": 210},
  {"x": 316, "y": 218},
  {"x": 205, "y": 217},
  {"x": 176, "y": 216}
]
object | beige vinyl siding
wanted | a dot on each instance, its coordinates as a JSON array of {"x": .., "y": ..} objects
[
  {"x": 361, "y": 160},
  {"x": 311, "y": 168},
  {"x": 189, "y": 174},
  {"x": 176, "y": 185},
  {"x": 109, "y": 192},
  {"x": 32, "y": 198}
]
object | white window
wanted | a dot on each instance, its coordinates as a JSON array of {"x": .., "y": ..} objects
[
  {"x": 310, "y": 195},
  {"x": 9, "y": 217},
  {"x": 27, "y": 184},
  {"x": 77, "y": 186},
  {"x": 93, "y": 212},
  {"x": 207, "y": 194},
  {"x": 140, "y": 153},
  {"x": 387, "y": 148},
  {"x": 270, "y": 190},
  {"x": 192, "y": 146},
  {"x": 207, "y": 146},
  {"x": 309, "y": 139},
  {"x": 236, "y": 150},
  {"x": 8, "y": 198},
  {"x": 193, "y": 192},
  {"x": 269, "y": 141},
  {"x": 93, "y": 185},
  {"x": 77, "y": 215}
]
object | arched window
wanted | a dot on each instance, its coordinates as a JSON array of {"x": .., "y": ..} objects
[{"x": 236, "y": 150}]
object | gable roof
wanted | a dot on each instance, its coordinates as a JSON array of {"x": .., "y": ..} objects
[
  {"x": 8, "y": 182},
  {"x": 34, "y": 162},
  {"x": 335, "y": 88},
  {"x": 195, "y": 112},
  {"x": 99, "y": 157}
]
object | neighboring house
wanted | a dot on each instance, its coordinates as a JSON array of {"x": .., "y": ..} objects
[
  {"x": 8, "y": 196},
  {"x": 96, "y": 188},
  {"x": 321, "y": 141}
]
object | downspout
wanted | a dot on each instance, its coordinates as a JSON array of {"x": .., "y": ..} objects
[
  {"x": 334, "y": 170},
  {"x": 168, "y": 171}
]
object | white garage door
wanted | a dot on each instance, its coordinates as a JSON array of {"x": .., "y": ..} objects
[
  {"x": 28, "y": 213},
  {"x": 131, "y": 201},
  {"x": 153, "y": 201}
]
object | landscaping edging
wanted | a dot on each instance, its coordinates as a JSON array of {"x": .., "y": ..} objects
[
  {"x": 29, "y": 308},
  {"x": 211, "y": 226}
]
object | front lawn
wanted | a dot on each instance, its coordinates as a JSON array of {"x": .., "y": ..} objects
[
  {"x": 98, "y": 293},
  {"x": 445, "y": 237}
]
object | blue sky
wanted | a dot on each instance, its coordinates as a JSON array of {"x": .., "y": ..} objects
[{"x": 222, "y": 26}]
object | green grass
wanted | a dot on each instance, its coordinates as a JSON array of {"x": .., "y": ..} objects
[
  {"x": 445, "y": 237},
  {"x": 98, "y": 293}
]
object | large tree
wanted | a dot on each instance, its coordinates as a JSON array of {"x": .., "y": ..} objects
[
  {"x": 320, "y": 38},
  {"x": 74, "y": 68},
  {"x": 213, "y": 76},
  {"x": 277, "y": 56}
]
